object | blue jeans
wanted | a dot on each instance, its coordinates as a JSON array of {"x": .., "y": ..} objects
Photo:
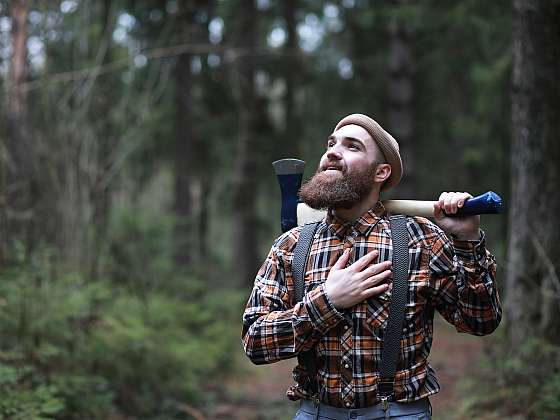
[{"x": 417, "y": 410}]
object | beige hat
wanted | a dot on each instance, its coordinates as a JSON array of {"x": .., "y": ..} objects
[{"x": 384, "y": 140}]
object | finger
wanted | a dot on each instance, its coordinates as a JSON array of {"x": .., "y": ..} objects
[
  {"x": 457, "y": 198},
  {"x": 374, "y": 291},
  {"x": 365, "y": 261},
  {"x": 447, "y": 203},
  {"x": 378, "y": 278},
  {"x": 454, "y": 202},
  {"x": 438, "y": 212},
  {"x": 464, "y": 197},
  {"x": 377, "y": 268},
  {"x": 342, "y": 260},
  {"x": 441, "y": 200}
]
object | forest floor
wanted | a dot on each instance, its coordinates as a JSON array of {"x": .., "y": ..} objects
[{"x": 258, "y": 392}]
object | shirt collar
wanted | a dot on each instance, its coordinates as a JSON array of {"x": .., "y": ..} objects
[{"x": 363, "y": 225}]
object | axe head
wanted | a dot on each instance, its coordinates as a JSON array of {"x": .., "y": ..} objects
[{"x": 289, "y": 173}]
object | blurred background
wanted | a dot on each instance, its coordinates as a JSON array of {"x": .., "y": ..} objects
[{"x": 137, "y": 197}]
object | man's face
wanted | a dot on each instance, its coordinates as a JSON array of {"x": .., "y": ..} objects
[
  {"x": 346, "y": 171},
  {"x": 349, "y": 149}
]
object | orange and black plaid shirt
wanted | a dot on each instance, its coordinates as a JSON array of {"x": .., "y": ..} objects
[{"x": 456, "y": 278}]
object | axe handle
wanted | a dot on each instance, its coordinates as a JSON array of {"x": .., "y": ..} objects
[{"x": 487, "y": 203}]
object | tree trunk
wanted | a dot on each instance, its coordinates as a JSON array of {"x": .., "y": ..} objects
[
  {"x": 532, "y": 286},
  {"x": 183, "y": 148},
  {"x": 101, "y": 197},
  {"x": 19, "y": 193},
  {"x": 244, "y": 237},
  {"x": 400, "y": 94},
  {"x": 290, "y": 147}
]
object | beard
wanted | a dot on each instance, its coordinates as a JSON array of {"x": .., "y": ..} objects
[{"x": 344, "y": 190}]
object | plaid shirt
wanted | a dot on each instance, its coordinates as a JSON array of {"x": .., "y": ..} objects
[{"x": 456, "y": 278}]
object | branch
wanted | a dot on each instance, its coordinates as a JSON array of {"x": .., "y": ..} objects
[
  {"x": 230, "y": 54},
  {"x": 553, "y": 275}
]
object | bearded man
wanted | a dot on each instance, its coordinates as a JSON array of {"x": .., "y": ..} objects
[{"x": 343, "y": 314}]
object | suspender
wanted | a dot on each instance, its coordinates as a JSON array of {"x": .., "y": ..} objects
[
  {"x": 391, "y": 342},
  {"x": 393, "y": 333},
  {"x": 301, "y": 254}
]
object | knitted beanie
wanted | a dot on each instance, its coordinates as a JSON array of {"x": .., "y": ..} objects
[{"x": 384, "y": 140}]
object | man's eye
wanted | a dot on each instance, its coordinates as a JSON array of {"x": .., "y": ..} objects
[
  {"x": 353, "y": 147},
  {"x": 330, "y": 144}
]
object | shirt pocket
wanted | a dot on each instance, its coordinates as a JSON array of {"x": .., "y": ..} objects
[{"x": 377, "y": 315}]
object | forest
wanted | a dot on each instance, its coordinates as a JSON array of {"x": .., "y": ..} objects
[{"x": 138, "y": 199}]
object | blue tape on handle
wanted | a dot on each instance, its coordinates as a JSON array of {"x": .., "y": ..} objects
[
  {"x": 289, "y": 185},
  {"x": 487, "y": 203}
]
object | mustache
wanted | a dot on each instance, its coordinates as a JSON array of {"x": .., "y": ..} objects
[{"x": 331, "y": 165}]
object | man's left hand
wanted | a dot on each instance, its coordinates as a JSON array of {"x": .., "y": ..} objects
[{"x": 462, "y": 228}]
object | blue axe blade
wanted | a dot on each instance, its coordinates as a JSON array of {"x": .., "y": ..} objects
[{"x": 289, "y": 173}]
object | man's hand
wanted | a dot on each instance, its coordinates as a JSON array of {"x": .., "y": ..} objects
[
  {"x": 348, "y": 286},
  {"x": 462, "y": 228}
]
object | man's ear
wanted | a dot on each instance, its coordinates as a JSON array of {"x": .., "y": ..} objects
[{"x": 382, "y": 172}]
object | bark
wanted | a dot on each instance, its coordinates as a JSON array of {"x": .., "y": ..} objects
[
  {"x": 400, "y": 95},
  {"x": 204, "y": 219},
  {"x": 291, "y": 146},
  {"x": 183, "y": 147},
  {"x": 182, "y": 155},
  {"x": 101, "y": 198},
  {"x": 532, "y": 287},
  {"x": 19, "y": 192},
  {"x": 244, "y": 187}
]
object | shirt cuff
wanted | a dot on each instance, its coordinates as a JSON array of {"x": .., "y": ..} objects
[
  {"x": 472, "y": 251},
  {"x": 322, "y": 312}
]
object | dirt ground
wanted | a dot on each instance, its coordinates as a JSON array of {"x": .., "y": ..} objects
[{"x": 257, "y": 392}]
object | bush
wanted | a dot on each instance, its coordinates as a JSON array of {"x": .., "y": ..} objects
[
  {"x": 75, "y": 349},
  {"x": 526, "y": 383}
]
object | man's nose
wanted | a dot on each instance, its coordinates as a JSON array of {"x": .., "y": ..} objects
[{"x": 334, "y": 154}]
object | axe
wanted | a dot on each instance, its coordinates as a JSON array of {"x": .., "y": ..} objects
[{"x": 290, "y": 172}]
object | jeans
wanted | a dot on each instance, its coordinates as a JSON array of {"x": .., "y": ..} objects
[{"x": 417, "y": 410}]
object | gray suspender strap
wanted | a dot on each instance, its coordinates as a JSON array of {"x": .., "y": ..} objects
[
  {"x": 301, "y": 254},
  {"x": 393, "y": 332}
]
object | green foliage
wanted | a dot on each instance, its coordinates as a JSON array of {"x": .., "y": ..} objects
[
  {"x": 25, "y": 395},
  {"x": 86, "y": 349},
  {"x": 527, "y": 383},
  {"x": 141, "y": 249}
]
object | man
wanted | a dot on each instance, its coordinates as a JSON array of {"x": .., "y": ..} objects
[{"x": 348, "y": 279}]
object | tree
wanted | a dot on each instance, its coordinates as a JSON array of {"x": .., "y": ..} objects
[
  {"x": 19, "y": 192},
  {"x": 401, "y": 90},
  {"x": 184, "y": 133},
  {"x": 532, "y": 287},
  {"x": 244, "y": 244}
]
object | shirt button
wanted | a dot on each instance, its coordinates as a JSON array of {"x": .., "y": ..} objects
[
  {"x": 347, "y": 366},
  {"x": 348, "y": 404},
  {"x": 346, "y": 327}
]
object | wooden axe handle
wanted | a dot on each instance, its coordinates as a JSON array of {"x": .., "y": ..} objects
[{"x": 487, "y": 203}]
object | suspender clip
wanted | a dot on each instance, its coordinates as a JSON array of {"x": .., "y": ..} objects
[{"x": 384, "y": 403}]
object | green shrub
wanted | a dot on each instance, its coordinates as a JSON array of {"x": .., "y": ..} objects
[
  {"x": 525, "y": 383},
  {"x": 75, "y": 349},
  {"x": 25, "y": 395}
]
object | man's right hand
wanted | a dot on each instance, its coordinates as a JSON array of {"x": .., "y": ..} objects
[{"x": 361, "y": 280}]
